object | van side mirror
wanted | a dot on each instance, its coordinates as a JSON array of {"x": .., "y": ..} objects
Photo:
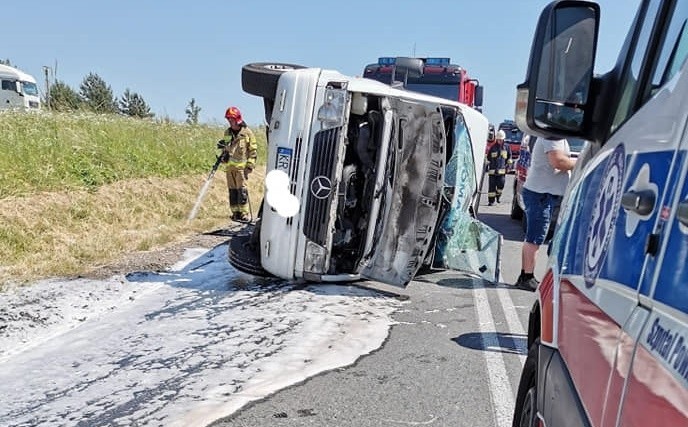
[{"x": 554, "y": 101}]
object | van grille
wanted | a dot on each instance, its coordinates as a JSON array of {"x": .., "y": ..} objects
[
  {"x": 320, "y": 178},
  {"x": 294, "y": 172}
]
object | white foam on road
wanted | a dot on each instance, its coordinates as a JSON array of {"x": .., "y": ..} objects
[{"x": 176, "y": 348}]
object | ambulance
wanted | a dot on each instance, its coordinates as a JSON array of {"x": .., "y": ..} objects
[{"x": 608, "y": 335}]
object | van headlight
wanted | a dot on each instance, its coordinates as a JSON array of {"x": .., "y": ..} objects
[
  {"x": 315, "y": 259},
  {"x": 331, "y": 113}
]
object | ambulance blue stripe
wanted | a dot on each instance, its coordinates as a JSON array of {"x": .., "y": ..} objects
[{"x": 625, "y": 255}]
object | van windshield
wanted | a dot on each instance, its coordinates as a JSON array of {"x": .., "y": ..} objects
[{"x": 29, "y": 88}]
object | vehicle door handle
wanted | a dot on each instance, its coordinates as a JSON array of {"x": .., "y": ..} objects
[
  {"x": 641, "y": 202},
  {"x": 682, "y": 213}
]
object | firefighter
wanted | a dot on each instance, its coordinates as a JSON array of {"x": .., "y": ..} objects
[
  {"x": 239, "y": 154},
  {"x": 498, "y": 162}
]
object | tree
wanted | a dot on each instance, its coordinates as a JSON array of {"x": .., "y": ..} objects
[
  {"x": 63, "y": 97},
  {"x": 132, "y": 104},
  {"x": 96, "y": 95},
  {"x": 192, "y": 111}
]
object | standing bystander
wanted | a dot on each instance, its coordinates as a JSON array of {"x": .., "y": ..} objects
[
  {"x": 498, "y": 161},
  {"x": 548, "y": 176},
  {"x": 239, "y": 153}
]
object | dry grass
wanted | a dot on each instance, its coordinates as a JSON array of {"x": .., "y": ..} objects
[
  {"x": 69, "y": 233},
  {"x": 79, "y": 191}
]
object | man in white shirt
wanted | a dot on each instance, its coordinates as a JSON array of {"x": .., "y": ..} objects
[{"x": 548, "y": 176}]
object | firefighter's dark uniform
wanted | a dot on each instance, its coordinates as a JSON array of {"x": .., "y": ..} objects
[
  {"x": 498, "y": 160},
  {"x": 240, "y": 155}
]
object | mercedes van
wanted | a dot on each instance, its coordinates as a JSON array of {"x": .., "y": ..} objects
[{"x": 364, "y": 179}]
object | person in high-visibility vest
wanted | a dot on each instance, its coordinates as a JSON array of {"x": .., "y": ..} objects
[
  {"x": 239, "y": 154},
  {"x": 498, "y": 162}
]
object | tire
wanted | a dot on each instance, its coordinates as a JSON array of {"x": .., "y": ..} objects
[
  {"x": 525, "y": 410},
  {"x": 245, "y": 258},
  {"x": 260, "y": 78},
  {"x": 516, "y": 211}
]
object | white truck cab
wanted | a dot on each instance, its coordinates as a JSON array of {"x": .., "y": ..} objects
[
  {"x": 365, "y": 180},
  {"x": 18, "y": 90},
  {"x": 608, "y": 335}
]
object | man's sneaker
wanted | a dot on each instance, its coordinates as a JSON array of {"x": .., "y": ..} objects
[{"x": 529, "y": 284}]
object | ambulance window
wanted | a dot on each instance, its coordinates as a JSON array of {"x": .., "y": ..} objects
[
  {"x": 674, "y": 47},
  {"x": 630, "y": 81},
  {"x": 9, "y": 85}
]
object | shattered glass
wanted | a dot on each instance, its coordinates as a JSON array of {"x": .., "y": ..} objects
[{"x": 463, "y": 242}]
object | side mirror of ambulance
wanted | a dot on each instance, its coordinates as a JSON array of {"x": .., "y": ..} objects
[{"x": 554, "y": 99}]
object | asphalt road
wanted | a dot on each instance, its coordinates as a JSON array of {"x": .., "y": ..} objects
[{"x": 453, "y": 358}]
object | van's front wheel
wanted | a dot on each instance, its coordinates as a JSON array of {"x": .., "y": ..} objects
[{"x": 244, "y": 253}]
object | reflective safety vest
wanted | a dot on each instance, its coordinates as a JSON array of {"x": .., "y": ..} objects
[{"x": 498, "y": 159}]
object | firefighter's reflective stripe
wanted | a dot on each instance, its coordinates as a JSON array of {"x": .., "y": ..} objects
[{"x": 238, "y": 165}]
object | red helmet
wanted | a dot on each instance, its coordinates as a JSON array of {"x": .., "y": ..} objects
[{"x": 233, "y": 113}]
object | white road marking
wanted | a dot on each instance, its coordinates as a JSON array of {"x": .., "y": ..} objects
[
  {"x": 515, "y": 325},
  {"x": 500, "y": 386}
]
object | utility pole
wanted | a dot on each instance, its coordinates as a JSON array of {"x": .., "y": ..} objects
[{"x": 46, "y": 71}]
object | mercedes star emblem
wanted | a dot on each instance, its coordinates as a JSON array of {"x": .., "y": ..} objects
[{"x": 321, "y": 187}]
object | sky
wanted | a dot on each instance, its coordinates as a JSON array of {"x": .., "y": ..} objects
[
  {"x": 170, "y": 52},
  {"x": 179, "y": 348}
]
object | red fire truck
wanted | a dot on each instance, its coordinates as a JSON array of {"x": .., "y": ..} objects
[{"x": 432, "y": 76}]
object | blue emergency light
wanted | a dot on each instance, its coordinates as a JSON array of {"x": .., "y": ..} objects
[
  {"x": 386, "y": 60},
  {"x": 437, "y": 61}
]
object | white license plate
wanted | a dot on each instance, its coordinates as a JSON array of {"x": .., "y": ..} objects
[{"x": 283, "y": 162}]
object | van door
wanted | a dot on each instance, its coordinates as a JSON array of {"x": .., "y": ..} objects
[
  {"x": 659, "y": 372},
  {"x": 463, "y": 243},
  {"x": 411, "y": 192}
]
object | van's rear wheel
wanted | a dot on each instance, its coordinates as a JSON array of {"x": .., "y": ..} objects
[{"x": 260, "y": 78}]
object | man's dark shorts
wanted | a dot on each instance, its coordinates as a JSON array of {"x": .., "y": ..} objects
[{"x": 540, "y": 208}]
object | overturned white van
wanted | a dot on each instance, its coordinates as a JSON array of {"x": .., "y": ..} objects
[
  {"x": 364, "y": 180},
  {"x": 18, "y": 90}
]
